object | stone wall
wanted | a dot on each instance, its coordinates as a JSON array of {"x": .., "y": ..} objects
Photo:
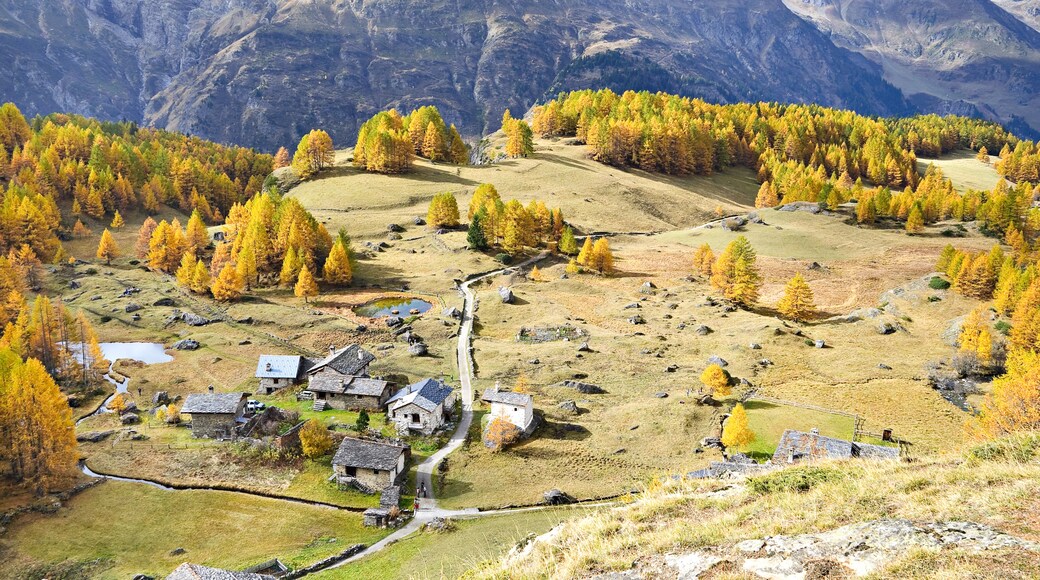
[
  {"x": 213, "y": 425},
  {"x": 353, "y": 402}
]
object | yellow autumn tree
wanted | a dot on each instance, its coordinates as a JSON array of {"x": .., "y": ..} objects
[
  {"x": 484, "y": 194},
  {"x": 767, "y": 196},
  {"x": 703, "y": 259},
  {"x": 228, "y": 285},
  {"x": 306, "y": 287},
  {"x": 1014, "y": 404},
  {"x": 586, "y": 254},
  {"x": 915, "y": 221},
  {"x": 196, "y": 235},
  {"x": 443, "y": 211},
  {"x": 717, "y": 380},
  {"x": 602, "y": 259},
  {"x": 315, "y": 439},
  {"x": 797, "y": 302},
  {"x": 337, "y": 267},
  {"x": 735, "y": 273},
  {"x": 200, "y": 279},
  {"x": 737, "y": 433},
  {"x": 117, "y": 221},
  {"x": 281, "y": 158},
  {"x": 107, "y": 248},
  {"x": 186, "y": 271}
]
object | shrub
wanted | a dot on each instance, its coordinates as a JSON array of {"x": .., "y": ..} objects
[
  {"x": 504, "y": 259},
  {"x": 1022, "y": 447},
  {"x": 1002, "y": 327},
  {"x": 934, "y": 299},
  {"x": 800, "y": 479},
  {"x": 315, "y": 439},
  {"x": 501, "y": 434},
  {"x": 937, "y": 283}
]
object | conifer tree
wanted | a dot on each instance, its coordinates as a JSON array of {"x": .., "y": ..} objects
[
  {"x": 866, "y": 212},
  {"x": 117, "y": 221},
  {"x": 736, "y": 274},
  {"x": 80, "y": 230},
  {"x": 797, "y": 303},
  {"x": 186, "y": 271},
  {"x": 767, "y": 196},
  {"x": 483, "y": 197},
  {"x": 717, "y": 380},
  {"x": 946, "y": 257},
  {"x": 433, "y": 143},
  {"x": 475, "y": 235},
  {"x": 573, "y": 267},
  {"x": 536, "y": 274},
  {"x": 144, "y": 236},
  {"x": 246, "y": 267},
  {"x": 736, "y": 433},
  {"x": 196, "y": 236},
  {"x": 337, "y": 266},
  {"x": 585, "y": 256},
  {"x": 229, "y": 285},
  {"x": 457, "y": 148},
  {"x": 200, "y": 280},
  {"x": 568, "y": 245},
  {"x": 281, "y": 158},
  {"x": 1014, "y": 404},
  {"x": 915, "y": 221},
  {"x": 305, "y": 287},
  {"x": 602, "y": 259},
  {"x": 703, "y": 260},
  {"x": 107, "y": 248},
  {"x": 443, "y": 211}
]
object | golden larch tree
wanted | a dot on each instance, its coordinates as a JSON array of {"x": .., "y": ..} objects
[
  {"x": 107, "y": 248},
  {"x": 337, "y": 267},
  {"x": 117, "y": 221},
  {"x": 306, "y": 287},
  {"x": 797, "y": 302},
  {"x": 736, "y": 433},
  {"x": 228, "y": 285},
  {"x": 717, "y": 380}
]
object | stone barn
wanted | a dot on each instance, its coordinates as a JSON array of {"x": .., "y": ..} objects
[
  {"x": 422, "y": 407},
  {"x": 799, "y": 446},
  {"x": 215, "y": 415},
  {"x": 369, "y": 465},
  {"x": 279, "y": 371},
  {"x": 517, "y": 408},
  {"x": 347, "y": 392}
]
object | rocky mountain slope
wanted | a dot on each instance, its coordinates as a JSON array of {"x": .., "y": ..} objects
[{"x": 262, "y": 72}]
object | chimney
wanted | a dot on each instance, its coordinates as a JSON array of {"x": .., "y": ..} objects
[
  {"x": 268, "y": 367},
  {"x": 814, "y": 431},
  {"x": 211, "y": 388},
  {"x": 360, "y": 354},
  {"x": 332, "y": 348}
]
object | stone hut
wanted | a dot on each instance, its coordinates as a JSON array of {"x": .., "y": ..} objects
[
  {"x": 369, "y": 465},
  {"x": 348, "y": 392},
  {"x": 422, "y": 407},
  {"x": 799, "y": 446},
  {"x": 338, "y": 367},
  {"x": 517, "y": 408},
  {"x": 215, "y": 414},
  {"x": 279, "y": 371}
]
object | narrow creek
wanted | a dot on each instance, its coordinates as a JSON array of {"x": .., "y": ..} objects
[{"x": 145, "y": 352}]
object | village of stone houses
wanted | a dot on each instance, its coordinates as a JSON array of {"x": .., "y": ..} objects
[{"x": 536, "y": 359}]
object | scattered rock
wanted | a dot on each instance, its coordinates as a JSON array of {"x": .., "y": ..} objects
[
  {"x": 244, "y": 342},
  {"x": 394, "y": 228},
  {"x": 633, "y": 305},
  {"x": 819, "y": 344},
  {"x": 661, "y": 395},
  {"x": 164, "y": 302},
  {"x": 557, "y": 497},
  {"x": 178, "y": 551},
  {"x": 132, "y": 307},
  {"x": 637, "y": 319},
  {"x": 887, "y": 328},
  {"x": 765, "y": 362},
  {"x": 94, "y": 436},
  {"x": 193, "y": 319},
  {"x": 672, "y": 368},
  {"x": 815, "y": 266},
  {"x": 711, "y": 442},
  {"x": 584, "y": 388},
  {"x": 584, "y": 347},
  {"x": 186, "y": 344},
  {"x": 74, "y": 285},
  {"x": 884, "y": 367},
  {"x": 647, "y": 288},
  {"x": 418, "y": 349},
  {"x": 717, "y": 360},
  {"x": 419, "y": 221},
  {"x": 452, "y": 312},
  {"x": 394, "y": 236},
  {"x": 161, "y": 398},
  {"x": 245, "y": 320},
  {"x": 619, "y": 451},
  {"x": 129, "y": 419},
  {"x": 702, "y": 330},
  {"x": 506, "y": 294},
  {"x": 95, "y": 298},
  {"x": 755, "y": 346},
  {"x": 534, "y": 361},
  {"x": 394, "y": 321}
]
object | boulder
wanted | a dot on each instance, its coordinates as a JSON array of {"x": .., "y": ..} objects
[
  {"x": 417, "y": 349},
  {"x": 178, "y": 551},
  {"x": 717, "y": 360},
  {"x": 633, "y": 305},
  {"x": 584, "y": 388},
  {"x": 129, "y": 419},
  {"x": 557, "y": 497},
  {"x": 755, "y": 346},
  {"x": 192, "y": 319},
  {"x": 394, "y": 321},
  {"x": 94, "y": 436},
  {"x": 74, "y": 285},
  {"x": 661, "y": 395},
  {"x": 702, "y": 330},
  {"x": 419, "y": 221},
  {"x": 132, "y": 307},
  {"x": 452, "y": 312},
  {"x": 506, "y": 294},
  {"x": 393, "y": 236},
  {"x": 672, "y": 368},
  {"x": 584, "y": 347},
  {"x": 819, "y": 344},
  {"x": 161, "y": 398},
  {"x": 884, "y": 367},
  {"x": 164, "y": 302},
  {"x": 186, "y": 344},
  {"x": 887, "y": 328},
  {"x": 637, "y": 319},
  {"x": 569, "y": 407},
  {"x": 394, "y": 228},
  {"x": 647, "y": 288}
]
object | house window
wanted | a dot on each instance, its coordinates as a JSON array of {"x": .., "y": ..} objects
[
  {"x": 415, "y": 417},
  {"x": 515, "y": 409},
  {"x": 352, "y": 471}
]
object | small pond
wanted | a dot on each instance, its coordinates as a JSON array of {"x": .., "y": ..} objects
[
  {"x": 147, "y": 352},
  {"x": 394, "y": 306}
]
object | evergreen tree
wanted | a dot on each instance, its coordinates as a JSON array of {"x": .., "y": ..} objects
[
  {"x": 200, "y": 280},
  {"x": 337, "y": 266},
  {"x": 186, "y": 271},
  {"x": 767, "y": 196},
  {"x": 117, "y": 221},
  {"x": 306, "y": 287},
  {"x": 585, "y": 256},
  {"x": 602, "y": 259},
  {"x": 443, "y": 211},
  {"x": 457, "y": 152},
  {"x": 196, "y": 235},
  {"x": 144, "y": 236},
  {"x": 281, "y": 158},
  {"x": 107, "y": 248},
  {"x": 568, "y": 245},
  {"x": 229, "y": 285},
  {"x": 475, "y": 235},
  {"x": 915, "y": 221},
  {"x": 797, "y": 303},
  {"x": 703, "y": 260}
]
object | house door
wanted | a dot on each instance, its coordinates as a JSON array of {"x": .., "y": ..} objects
[
  {"x": 352, "y": 471},
  {"x": 415, "y": 417}
]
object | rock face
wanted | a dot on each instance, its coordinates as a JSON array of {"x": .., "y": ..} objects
[
  {"x": 237, "y": 70},
  {"x": 193, "y": 319},
  {"x": 186, "y": 344},
  {"x": 853, "y": 550}
]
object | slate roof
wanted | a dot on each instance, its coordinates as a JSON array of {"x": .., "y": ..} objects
[
  {"x": 351, "y": 360},
  {"x": 336, "y": 383},
  {"x": 202, "y": 403},
  {"x": 802, "y": 446},
  {"x": 493, "y": 395},
  {"x": 281, "y": 366},
  {"x": 367, "y": 454},
  {"x": 425, "y": 394},
  {"x": 187, "y": 571}
]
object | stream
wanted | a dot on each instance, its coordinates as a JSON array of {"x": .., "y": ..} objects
[{"x": 145, "y": 352}]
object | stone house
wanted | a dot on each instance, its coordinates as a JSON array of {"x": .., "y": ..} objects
[
  {"x": 422, "y": 407},
  {"x": 215, "y": 414},
  {"x": 348, "y": 392},
  {"x": 799, "y": 446},
  {"x": 369, "y": 465},
  {"x": 350, "y": 361},
  {"x": 279, "y": 371},
  {"x": 517, "y": 408}
]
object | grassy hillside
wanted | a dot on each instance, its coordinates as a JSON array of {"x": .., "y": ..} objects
[
  {"x": 964, "y": 170},
  {"x": 996, "y": 486}
]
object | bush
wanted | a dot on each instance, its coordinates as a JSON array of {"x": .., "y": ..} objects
[
  {"x": 934, "y": 299},
  {"x": 504, "y": 258},
  {"x": 937, "y": 283},
  {"x": 800, "y": 479},
  {"x": 1003, "y": 327},
  {"x": 1022, "y": 447},
  {"x": 91, "y": 271}
]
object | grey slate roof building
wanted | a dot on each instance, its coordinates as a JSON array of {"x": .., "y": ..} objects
[
  {"x": 493, "y": 395},
  {"x": 796, "y": 446},
  {"x": 271, "y": 366},
  {"x": 426, "y": 394},
  {"x": 187, "y": 571},
  {"x": 350, "y": 360},
  {"x": 368, "y": 454},
  {"x": 213, "y": 403},
  {"x": 347, "y": 385}
]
